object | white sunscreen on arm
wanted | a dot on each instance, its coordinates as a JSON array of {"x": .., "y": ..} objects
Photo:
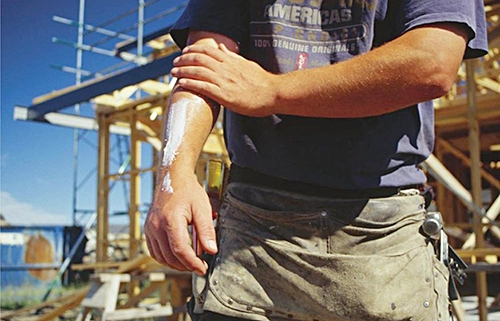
[{"x": 175, "y": 130}]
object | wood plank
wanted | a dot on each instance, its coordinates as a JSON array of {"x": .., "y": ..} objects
[
  {"x": 39, "y": 306},
  {"x": 25, "y": 310},
  {"x": 72, "y": 302},
  {"x": 108, "y": 277},
  {"x": 467, "y": 254},
  {"x": 139, "y": 313},
  {"x": 458, "y": 309},
  {"x": 140, "y": 262},
  {"x": 145, "y": 292},
  {"x": 490, "y": 84},
  {"x": 95, "y": 266},
  {"x": 179, "y": 293},
  {"x": 103, "y": 295},
  {"x": 484, "y": 267}
]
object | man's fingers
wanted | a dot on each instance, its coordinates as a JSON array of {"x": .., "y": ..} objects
[
  {"x": 162, "y": 255},
  {"x": 215, "y": 53},
  {"x": 183, "y": 252},
  {"x": 194, "y": 72},
  {"x": 229, "y": 52},
  {"x": 204, "y": 88},
  {"x": 152, "y": 250},
  {"x": 169, "y": 258},
  {"x": 195, "y": 59}
]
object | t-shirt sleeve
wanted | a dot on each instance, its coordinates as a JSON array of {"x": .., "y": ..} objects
[
  {"x": 228, "y": 18},
  {"x": 468, "y": 12}
]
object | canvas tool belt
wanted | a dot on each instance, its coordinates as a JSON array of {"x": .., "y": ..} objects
[{"x": 289, "y": 256}]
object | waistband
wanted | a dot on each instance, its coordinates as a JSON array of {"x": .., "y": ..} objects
[{"x": 239, "y": 174}]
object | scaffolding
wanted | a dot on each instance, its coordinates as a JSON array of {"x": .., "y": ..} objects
[
  {"x": 129, "y": 101},
  {"x": 126, "y": 49}
]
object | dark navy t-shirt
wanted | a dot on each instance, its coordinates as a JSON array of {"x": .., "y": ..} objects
[{"x": 286, "y": 35}]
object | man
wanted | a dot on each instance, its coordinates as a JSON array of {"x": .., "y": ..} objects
[{"x": 327, "y": 117}]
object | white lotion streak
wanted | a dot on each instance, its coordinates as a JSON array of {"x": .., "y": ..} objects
[
  {"x": 175, "y": 130},
  {"x": 167, "y": 184}
]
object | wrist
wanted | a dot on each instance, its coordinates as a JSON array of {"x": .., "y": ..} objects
[
  {"x": 174, "y": 178},
  {"x": 276, "y": 95}
]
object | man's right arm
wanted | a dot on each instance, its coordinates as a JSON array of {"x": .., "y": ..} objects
[{"x": 179, "y": 200}]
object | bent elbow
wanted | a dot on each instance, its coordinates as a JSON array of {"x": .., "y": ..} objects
[
  {"x": 439, "y": 80},
  {"x": 440, "y": 85}
]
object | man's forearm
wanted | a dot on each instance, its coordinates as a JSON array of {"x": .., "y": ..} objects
[
  {"x": 419, "y": 66},
  {"x": 179, "y": 199},
  {"x": 188, "y": 123},
  {"x": 189, "y": 120}
]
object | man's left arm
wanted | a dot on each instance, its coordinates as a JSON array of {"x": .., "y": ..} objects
[{"x": 419, "y": 65}]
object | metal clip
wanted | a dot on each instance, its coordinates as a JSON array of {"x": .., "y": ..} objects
[
  {"x": 443, "y": 248},
  {"x": 433, "y": 225},
  {"x": 433, "y": 228}
]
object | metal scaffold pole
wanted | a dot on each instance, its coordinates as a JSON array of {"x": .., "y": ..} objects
[
  {"x": 76, "y": 131},
  {"x": 140, "y": 32}
]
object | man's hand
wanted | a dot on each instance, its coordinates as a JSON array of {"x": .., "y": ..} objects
[
  {"x": 224, "y": 76},
  {"x": 166, "y": 226}
]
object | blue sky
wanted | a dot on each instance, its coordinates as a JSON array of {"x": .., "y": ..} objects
[{"x": 37, "y": 159}]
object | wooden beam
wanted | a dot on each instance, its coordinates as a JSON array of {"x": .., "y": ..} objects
[
  {"x": 466, "y": 161},
  {"x": 95, "y": 266},
  {"x": 475, "y": 155},
  {"x": 39, "y": 306},
  {"x": 145, "y": 292},
  {"x": 489, "y": 84},
  {"x": 135, "y": 198},
  {"x": 462, "y": 142},
  {"x": 70, "y": 302},
  {"x": 139, "y": 313},
  {"x": 180, "y": 291},
  {"x": 435, "y": 168},
  {"x": 491, "y": 214},
  {"x": 480, "y": 253},
  {"x": 135, "y": 189},
  {"x": 139, "y": 262},
  {"x": 453, "y": 111},
  {"x": 103, "y": 189}
]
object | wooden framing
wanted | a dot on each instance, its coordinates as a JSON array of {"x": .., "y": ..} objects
[
  {"x": 476, "y": 186},
  {"x": 467, "y": 125},
  {"x": 143, "y": 117}
]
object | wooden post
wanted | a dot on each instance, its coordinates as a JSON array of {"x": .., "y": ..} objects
[
  {"x": 135, "y": 198},
  {"x": 102, "y": 188},
  {"x": 135, "y": 189},
  {"x": 475, "y": 157}
]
